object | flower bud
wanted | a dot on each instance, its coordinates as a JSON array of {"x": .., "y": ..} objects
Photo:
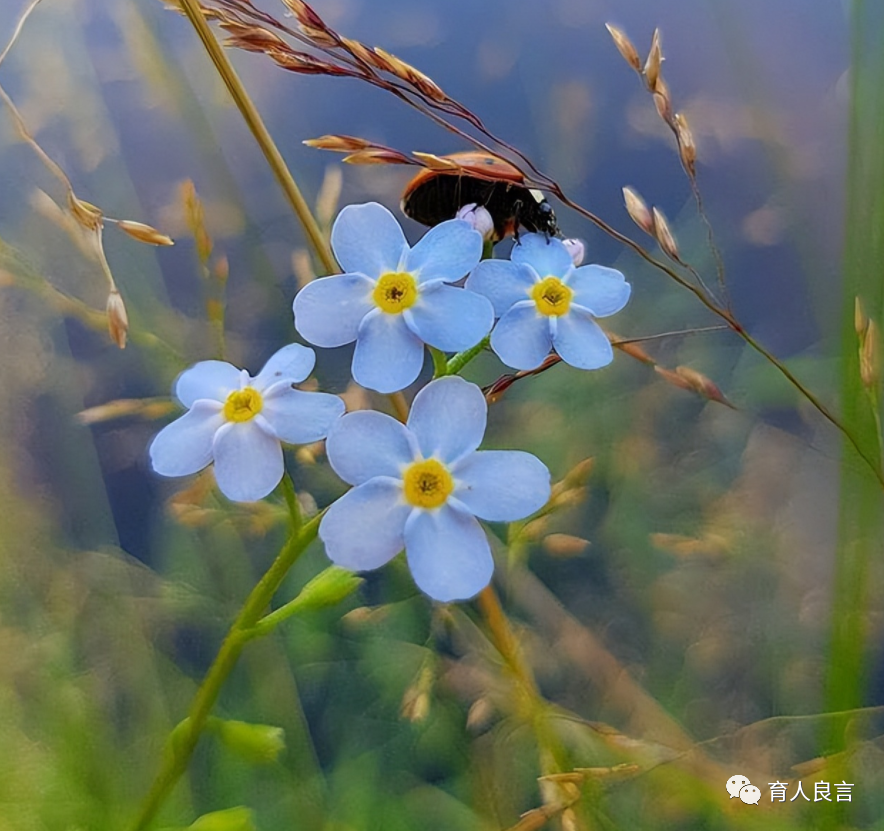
[
  {"x": 328, "y": 588},
  {"x": 577, "y": 250},
  {"x": 117, "y": 319},
  {"x": 231, "y": 819},
  {"x": 258, "y": 743},
  {"x": 479, "y": 218}
]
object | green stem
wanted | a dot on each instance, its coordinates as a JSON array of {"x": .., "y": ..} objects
[
  {"x": 461, "y": 359},
  {"x": 254, "y": 122},
  {"x": 180, "y": 751}
]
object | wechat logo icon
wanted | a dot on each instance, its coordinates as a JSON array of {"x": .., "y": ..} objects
[{"x": 741, "y": 786}]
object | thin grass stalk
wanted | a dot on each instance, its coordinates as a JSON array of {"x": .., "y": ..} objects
[
  {"x": 861, "y": 512},
  {"x": 265, "y": 141}
]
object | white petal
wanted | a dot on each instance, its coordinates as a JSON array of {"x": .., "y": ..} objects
[
  {"x": 328, "y": 311},
  {"x": 292, "y": 363},
  {"x": 248, "y": 461},
  {"x": 366, "y": 444},
  {"x": 502, "y": 485},
  {"x": 364, "y": 528},
  {"x": 448, "y": 417},
  {"x": 368, "y": 239},
  {"x": 214, "y": 380},
  {"x": 604, "y": 291},
  {"x": 185, "y": 446},
  {"x": 449, "y": 318},
  {"x": 546, "y": 255},
  {"x": 502, "y": 282},
  {"x": 446, "y": 252},
  {"x": 521, "y": 338},
  {"x": 580, "y": 342},
  {"x": 448, "y": 553},
  {"x": 388, "y": 355},
  {"x": 299, "y": 417}
]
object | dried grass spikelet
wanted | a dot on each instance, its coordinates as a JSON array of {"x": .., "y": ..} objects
[
  {"x": 565, "y": 546},
  {"x": 86, "y": 214},
  {"x": 687, "y": 149},
  {"x": 638, "y": 210},
  {"x": 304, "y": 14},
  {"x": 339, "y": 143},
  {"x": 625, "y": 47},
  {"x": 252, "y": 38},
  {"x": 654, "y": 61},
  {"x": 663, "y": 101},
  {"x": 117, "y": 319},
  {"x": 195, "y": 217},
  {"x": 434, "y": 162},
  {"x": 870, "y": 357},
  {"x": 359, "y": 51},
  {"x": 305, "y": 64},
  {"x": 406, "y": 72},
  {"x": 377, "y": 155},
  {"x": 329, "y": 195},
  {"x": 664, "y": 236},
  {"x": 860, "y": 320},
  {"x": 146, "y": 408},
  {"x": 689, "y": 379},
  {"x": 144, "y": 233}
]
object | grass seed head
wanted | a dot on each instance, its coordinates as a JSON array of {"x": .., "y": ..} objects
[{"x": 625, "y": 47}]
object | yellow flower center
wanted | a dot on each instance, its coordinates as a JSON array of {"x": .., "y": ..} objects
[
  {"x": 427, "y": 484},
  {"x": 552, "y": 297},
  {"x": 395, "y": 292},
  {"x": 242, "y": 405}
]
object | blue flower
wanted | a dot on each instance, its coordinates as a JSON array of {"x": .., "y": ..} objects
[
  {"x": 544, "y": 302},
  {"x": 238, "y": 422},
  {"x": 421, "y": 485},
  {"x": 393, "y": 299}
]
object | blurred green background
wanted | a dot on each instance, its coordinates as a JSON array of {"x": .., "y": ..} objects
[{"x": 713, "y": 592}]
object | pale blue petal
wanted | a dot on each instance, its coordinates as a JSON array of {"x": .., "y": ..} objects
[
  {"x": 546, "y": 255},
  {"x": 214, "y": 380},
  {"x": 364, "y": 529},
  {"x": 449, "y": 318},
  {"x": 504, "y": 283},
  {"x": 292, "y": 363},
  {"x": 388, "y": 355},
  {"x": 185, "y": 446},
  {"x": 446, "y": 252},
  {"x": 448, "y": 553},
  {"x": 521, "y": 338},
  {"x": 580, "y": 341},
  {"x": 299, "y": 417},
  {"x": 368, "y": 239},
  {"x": 328, "y": 311},
  {"x": 366, "y": 444},
  {"x": 448, "y": 417},
  {"x": 501, "y": 485},
  {"x": 248, "y": 461},
  {"x": 604, "y": 291}
]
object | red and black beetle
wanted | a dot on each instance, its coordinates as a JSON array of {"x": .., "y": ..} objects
[{"x": 435, "y": 195}]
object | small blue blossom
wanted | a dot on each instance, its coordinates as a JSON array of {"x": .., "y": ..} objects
[
  {"x": 544, "y": 302},
  {"x": 238, "y": 422},
  {"x": 393, "y": 299},
  {"x": 421, "y": 485}
]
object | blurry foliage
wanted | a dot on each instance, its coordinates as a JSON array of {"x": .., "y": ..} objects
[{"x": 688, "y": 637}]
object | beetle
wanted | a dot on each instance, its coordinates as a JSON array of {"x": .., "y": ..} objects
[{"x": 434, "y": 195}]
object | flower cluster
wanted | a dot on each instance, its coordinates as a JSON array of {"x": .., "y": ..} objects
[{"x": 418, "y": 486}]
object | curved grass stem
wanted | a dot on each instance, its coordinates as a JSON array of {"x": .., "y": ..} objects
[
  {"x": 185, "y": 739},
  {"x": 253, "y": 119}
]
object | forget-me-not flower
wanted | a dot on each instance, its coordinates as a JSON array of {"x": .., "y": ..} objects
[
  {"x": 238, "y": 422},
  {"x": 421, "y": 485},
  {"x": 544, "y": 301},
  {"x": 392, "y": 299}
]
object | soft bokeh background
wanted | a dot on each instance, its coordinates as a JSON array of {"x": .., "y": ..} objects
[{"x": 690, "y": 635}]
